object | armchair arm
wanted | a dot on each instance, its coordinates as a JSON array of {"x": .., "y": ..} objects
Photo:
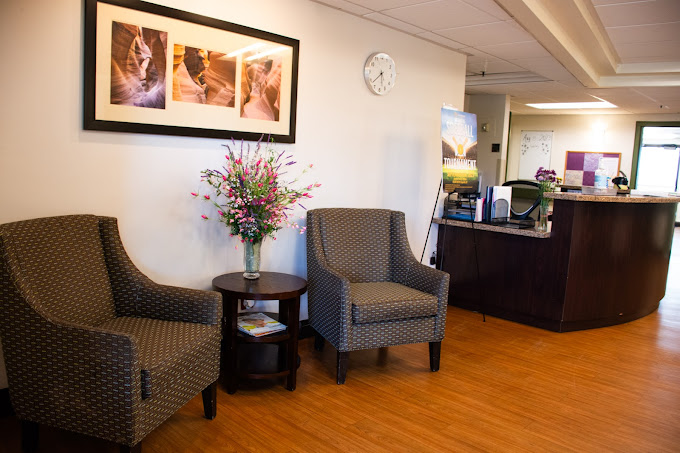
[
  {"x": 172, "y": 303},
  {"x": 90, "y": 373},
  {"x": 428, "y": 280},
  {"x": 431, "y": 281},
  {"x": 407, "y": 270},
  {"x": 329, "y": 307},
  {"x": 137, "y": 295}
]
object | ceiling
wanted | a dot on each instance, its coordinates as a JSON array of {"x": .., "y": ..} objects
[{"x": 626, "y": 52}]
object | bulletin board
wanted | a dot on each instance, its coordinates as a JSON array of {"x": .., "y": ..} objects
[{"x": 580, "y": 166}]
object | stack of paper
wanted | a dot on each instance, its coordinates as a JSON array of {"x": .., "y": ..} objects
[{"x": 258, "y": 324}]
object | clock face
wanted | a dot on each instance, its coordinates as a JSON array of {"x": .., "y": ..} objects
[{"x": 380, "y": 73}]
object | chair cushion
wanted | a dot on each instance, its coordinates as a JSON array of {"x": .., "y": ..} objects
[
  {"x": 387, "y": 301},
  {"x": 167, "y": 349}
]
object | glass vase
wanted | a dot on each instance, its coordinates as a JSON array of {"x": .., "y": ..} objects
[
  {"x": 543, "y": 216},
  {"x": 251, "y": 259}
]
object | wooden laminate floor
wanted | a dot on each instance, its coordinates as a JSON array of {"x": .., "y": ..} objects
[{"x": 502, "y": 387}]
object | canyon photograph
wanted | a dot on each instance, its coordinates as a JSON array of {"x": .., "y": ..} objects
[
  {"x": 261, "y": 89},
  {"x": 201, "y": 76},
  {"x": 138, "y": 61}
]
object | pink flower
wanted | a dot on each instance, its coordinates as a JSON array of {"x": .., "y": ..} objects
[
  {"x": 205, "y": 217},
  {"x": 224, "y": 178},
  {"x": 220, "y": 213},
  {"x": 259, "y": 184},
  {"x": 194, "y": 194},
  {"x": 207, "y": 197}
]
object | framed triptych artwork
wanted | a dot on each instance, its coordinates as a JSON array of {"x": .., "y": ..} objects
[{"x": 158, "y": 70}]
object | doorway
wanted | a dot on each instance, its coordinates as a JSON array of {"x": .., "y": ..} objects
[{"x": 656, "y": 158}]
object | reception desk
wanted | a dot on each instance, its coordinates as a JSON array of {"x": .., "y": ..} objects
[{"x": 603, "y": 262}]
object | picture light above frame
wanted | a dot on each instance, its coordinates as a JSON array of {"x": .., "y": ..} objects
[{"x": 158, "y": 70}]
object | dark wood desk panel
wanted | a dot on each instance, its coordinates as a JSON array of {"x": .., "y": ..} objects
[
  {"x": 604, "y": 263},
  {"x": 618, "y": 265}
]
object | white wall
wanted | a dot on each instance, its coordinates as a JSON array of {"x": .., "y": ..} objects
[
  {"x": 367, "y": 151},
  {"x": 610, "y": 133},
  {"x": 494, "y": 110}
]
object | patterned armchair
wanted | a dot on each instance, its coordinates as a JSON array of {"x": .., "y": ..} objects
[
  {"x": 366, "y": 289},
  {"x": 90, "y": 343}
]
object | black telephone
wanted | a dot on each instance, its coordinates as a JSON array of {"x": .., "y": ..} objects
[{"x": 621, "y": 182}]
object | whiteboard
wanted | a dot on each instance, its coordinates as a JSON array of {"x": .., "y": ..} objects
[{"x": 535, "y": 148}]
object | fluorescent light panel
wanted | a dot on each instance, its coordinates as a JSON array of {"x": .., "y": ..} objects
[{"x": 574, "y": 105}]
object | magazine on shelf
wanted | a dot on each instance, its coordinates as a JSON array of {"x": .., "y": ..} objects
[{"x": 258, "y": 324}]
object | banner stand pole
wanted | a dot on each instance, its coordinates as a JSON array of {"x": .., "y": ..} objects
[{"x": 434, "y": 209}]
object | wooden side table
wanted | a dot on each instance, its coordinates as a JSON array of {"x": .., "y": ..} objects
[{"x": 285, "y": 288}]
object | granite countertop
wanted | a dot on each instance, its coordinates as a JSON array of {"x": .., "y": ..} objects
[
  {"x": 529, "y": 232},
  {"x": 628, "y": 198}
]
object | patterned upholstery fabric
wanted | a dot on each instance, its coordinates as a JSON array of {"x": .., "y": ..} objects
[
  {"x": 359, "y": 257},
  {"x": 167, "y": 349},
  {"x": 366, "y": 289},
  {"x": 388, "y": 301},
  {"x": 80, "y": 352},
  {"x": 66, "y": 269}
]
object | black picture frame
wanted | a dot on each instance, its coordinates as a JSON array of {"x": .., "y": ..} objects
[{"x": 135, "y": 82}]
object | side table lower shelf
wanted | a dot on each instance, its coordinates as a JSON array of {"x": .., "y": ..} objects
[{"x": 263, "y": 361}]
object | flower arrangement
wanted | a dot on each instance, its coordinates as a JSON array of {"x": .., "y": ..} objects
[
  {"x": 249, "y": 194},
  {"x": 547, "y": 181}
]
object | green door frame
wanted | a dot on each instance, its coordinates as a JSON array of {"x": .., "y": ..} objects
[{"x": 636, "y": 145}]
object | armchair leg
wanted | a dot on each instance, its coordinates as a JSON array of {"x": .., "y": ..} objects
[
  {"x": 29, "y": 436},
  {"x": 319, "y": 341},
  {"x": 343, "y": 358},
  {"x": 435, "y": 353},
  {"x": 128, "y": 449},
  {"x": 210, "y": 401}
]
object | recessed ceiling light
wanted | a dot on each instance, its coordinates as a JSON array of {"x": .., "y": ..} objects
[{"x": 574, "y": 105}]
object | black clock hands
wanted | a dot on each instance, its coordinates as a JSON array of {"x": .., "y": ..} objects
[{"x": 379, "y": 73}]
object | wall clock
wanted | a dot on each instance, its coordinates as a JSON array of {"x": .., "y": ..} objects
[{"x": 380, "y": 73}]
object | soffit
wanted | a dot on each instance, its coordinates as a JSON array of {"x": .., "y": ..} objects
[{"x": 624, "y": 50}]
